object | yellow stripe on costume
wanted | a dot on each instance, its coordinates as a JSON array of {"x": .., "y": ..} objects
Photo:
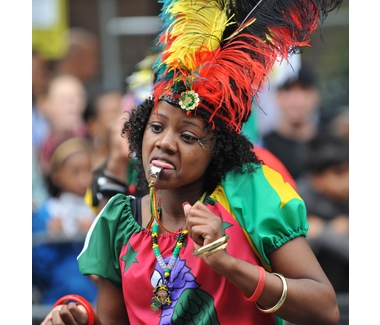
[
  {"x": 220, "y": 196},
  {"x": 275, "y": 179}
]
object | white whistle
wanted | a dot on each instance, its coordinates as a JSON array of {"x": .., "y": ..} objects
[{"x": 155, "y": 172}]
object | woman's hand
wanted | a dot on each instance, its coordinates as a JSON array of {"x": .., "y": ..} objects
[
  {"x": 205, "y": 228},
  {"x": 203, "y": 225},
  {"x": 67, "y": 314}
]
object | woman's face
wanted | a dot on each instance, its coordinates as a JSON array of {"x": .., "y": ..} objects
[{"x": 178, "y": 143}]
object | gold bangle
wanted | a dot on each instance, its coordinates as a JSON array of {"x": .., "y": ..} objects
[
  {"x": 211, "y": 246},
  {"x": 212, "y": 251},
  {"x": 282, "y": 299}
]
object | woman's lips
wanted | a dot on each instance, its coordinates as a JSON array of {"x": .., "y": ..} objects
[{"x": 161, "y": 164}]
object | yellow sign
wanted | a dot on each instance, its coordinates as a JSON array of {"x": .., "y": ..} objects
[{"x": 49, "y": 28}]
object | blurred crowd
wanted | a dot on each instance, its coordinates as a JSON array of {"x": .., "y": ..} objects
[{"x": 80, "y": 160}]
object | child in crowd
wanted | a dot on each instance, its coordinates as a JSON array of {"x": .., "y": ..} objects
[
  {"x": 70, "y": 176},
  {"x": 63, "y": 219}
]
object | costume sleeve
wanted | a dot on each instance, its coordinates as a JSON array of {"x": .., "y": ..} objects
[
  {"x": 111, "y": 229},
  {"x": 269, "y": 209}
]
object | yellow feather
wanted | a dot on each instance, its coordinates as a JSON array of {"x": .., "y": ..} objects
[{"x": 200, "y": 27}]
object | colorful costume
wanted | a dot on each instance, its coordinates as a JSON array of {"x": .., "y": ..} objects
[{"x": 119, "y": 249}]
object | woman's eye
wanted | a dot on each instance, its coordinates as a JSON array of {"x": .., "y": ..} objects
[
  {"x": 155, "y": 127},
  {"x": 188, "y": 137}
]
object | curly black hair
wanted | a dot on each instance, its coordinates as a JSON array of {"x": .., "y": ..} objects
[{"x": 231, "y": 152}]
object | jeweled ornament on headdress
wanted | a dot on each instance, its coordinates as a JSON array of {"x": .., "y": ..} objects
[{"x": 189, "y": 100}]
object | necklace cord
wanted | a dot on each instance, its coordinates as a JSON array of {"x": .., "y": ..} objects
[{"x": 155, "y": 209}]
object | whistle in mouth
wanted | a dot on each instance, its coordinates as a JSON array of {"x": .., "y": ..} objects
[{"x": 155, "y": 172}]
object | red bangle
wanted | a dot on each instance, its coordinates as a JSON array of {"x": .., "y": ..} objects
[
  {"x": 260, "y": 285},
  {"x": 81, "y": 301}
]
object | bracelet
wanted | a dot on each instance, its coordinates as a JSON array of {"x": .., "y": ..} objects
[
  {"x": 282, "y": 299},
  {"x": 200, "y": 251},
  {"x": 260, "y": 285},
  {"x": 214, "y": 250},
  {"x": 81, "y": 301}
]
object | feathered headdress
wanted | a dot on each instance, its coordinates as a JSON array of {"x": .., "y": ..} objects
[{"x": 216, "y": 53}]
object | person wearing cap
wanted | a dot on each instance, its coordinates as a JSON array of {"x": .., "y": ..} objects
[{"x": 220, "y": 238}]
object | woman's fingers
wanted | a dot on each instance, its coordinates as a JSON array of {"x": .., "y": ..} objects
[
  {"x": 66, "y": 314},
  {"x": 203, "y": 225},
  {"x": 73, "y": 313}
]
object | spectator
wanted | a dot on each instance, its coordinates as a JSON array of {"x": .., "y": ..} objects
[
  {"x": 99, "y": 115},
  {"x": 82, "y": 60},
  {"x": 70, "y": 175},
  {"x": 325, "y": 190},
  {"x": 63, "y": 107},
  {"x": 267, "y": 112},
  {"x": 64, "y": 218},
  {"x": 298, "y": 100},
  {"x": 116, "y": 173}
]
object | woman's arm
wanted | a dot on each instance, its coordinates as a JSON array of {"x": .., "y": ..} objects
[
  {"x": 310, "y": 298},
  {"x": 110, "y": 306}
]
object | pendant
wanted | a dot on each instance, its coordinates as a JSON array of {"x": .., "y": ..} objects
[{"x": 161, "y": 297}]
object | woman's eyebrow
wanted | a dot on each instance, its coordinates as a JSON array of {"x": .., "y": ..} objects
[
  {"x": 184, "y": 121},
  {"x": 158, "y": 115},
  {"x": 190, "y": 122}
]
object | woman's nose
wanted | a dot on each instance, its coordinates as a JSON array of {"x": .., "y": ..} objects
[{"x": 167, "y": 141}]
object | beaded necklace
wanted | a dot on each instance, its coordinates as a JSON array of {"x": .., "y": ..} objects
[{"x": 161, "y": 291}]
